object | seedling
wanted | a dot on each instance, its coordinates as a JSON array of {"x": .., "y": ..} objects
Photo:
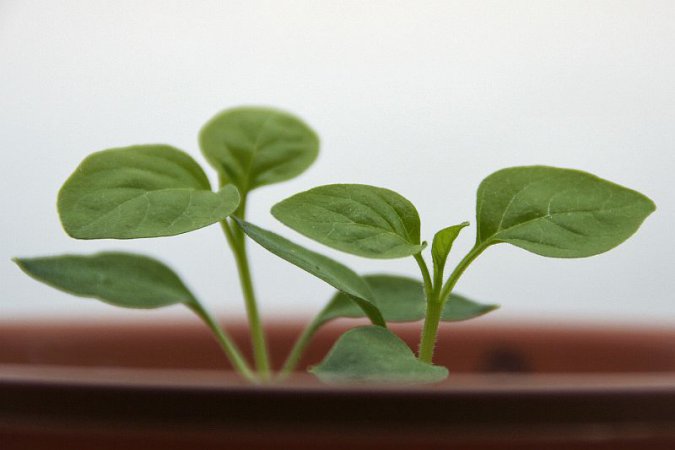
[{"x": 151, "y": 191}]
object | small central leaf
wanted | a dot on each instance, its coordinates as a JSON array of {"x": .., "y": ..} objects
[
  {"x": 138, "y": 192},
  {"x": 441, "y": 246},
  {"x": 355, "y": 218},
  {"x": 375, "y": 355},
  {"x": 328, "y": 270},
  {"x": 556, "y": 212}
]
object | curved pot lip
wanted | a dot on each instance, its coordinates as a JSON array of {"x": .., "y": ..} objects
[
  {"x": 213, "y": 398},
  {"x": 163, "y": 379}
]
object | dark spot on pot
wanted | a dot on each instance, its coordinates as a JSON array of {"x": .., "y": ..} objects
[{"x": 505, "y": 360}]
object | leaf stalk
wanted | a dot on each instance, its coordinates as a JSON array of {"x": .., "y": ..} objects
[
  {"x": 299, "y": 347},
  {"x": 258, "y": 340},
  {"x": 227, "y": 344}
]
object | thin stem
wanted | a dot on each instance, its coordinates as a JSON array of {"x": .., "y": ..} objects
[
  {"x": 459, "y": 270},
  {"x": 258, "y": 340},
  {"x": 300, "y": 346},
  {"x": 432, "y": 316},
  {"x": 438, "y": 280},
  {"x": 435, "y": 307},
  {"x": 229, "y": 235},
  {"x": 226, "y": 343},
  {"x": 241, "y": 213},
  {"x": 428, "y": 287}
]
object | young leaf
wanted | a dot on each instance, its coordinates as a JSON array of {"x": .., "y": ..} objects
[
  {"x": 252, "y": 147},
  {"x": 354, "y": 218},
  {"x": 120, "y": 279},
  {"x": 332, "y": 272},
  {"x": 401, "y": 299},
  {"x": 141, "y": 191},
  {"x": 374, "y": 354},
  {"x": 556, "y": 212},
  {"x": 441, "y": 246}
]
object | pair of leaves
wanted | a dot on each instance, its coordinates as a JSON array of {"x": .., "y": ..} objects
[
  {"x": 546, "y": 210},
  {"x": 157, "y": 190}
]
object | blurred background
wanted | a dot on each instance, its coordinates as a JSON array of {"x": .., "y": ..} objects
[{"x": 423, "y": 97}]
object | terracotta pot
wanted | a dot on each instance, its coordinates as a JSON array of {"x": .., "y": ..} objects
[{"x": 141, "y": 385}]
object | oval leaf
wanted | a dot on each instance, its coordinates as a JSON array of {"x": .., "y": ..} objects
[
  {"x": 354, "y": 218},
  {"x": 252, "y": 147},
  {"x": 328, "y": 270},
  {"x": 374, "y": 355},
  {"x": 138, "y": 192},
  {"x": 442, "y": 244},
  {"x": 401, "y": 299},
  {"x": 120, "y": 279},
  {"x": 556, "y": 212}
]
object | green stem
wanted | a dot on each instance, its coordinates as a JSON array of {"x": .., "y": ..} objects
[
  {"x": 300, "y": 346},
  {"x": 226, "y": 343},
  {"x": 258, "y": 340},
  {"x": 435, "y": 306},
  {"x": 241, "y": 213},
  {"x": 431, "y": 321},
  {"x": 459, "y": 270},
  {"x": 433, "y": 314},
  {"x": 428, "y": 287}
]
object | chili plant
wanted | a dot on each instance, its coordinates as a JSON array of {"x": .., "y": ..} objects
[{"x": 150, "y": 191}]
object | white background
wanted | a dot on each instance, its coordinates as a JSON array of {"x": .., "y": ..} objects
[{"x": 422, "y": 97}]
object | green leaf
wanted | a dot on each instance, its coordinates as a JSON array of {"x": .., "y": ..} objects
[
  {"x": 401, "y": 299},
  {"x": 458, "y": 308},
  {"x": 442, "y": 244},
  {"x": 141, "y": 191},
  {"x": 354, "y": 218},
  {"x": 120, "y": 279},
  {"x": 252, "y": 147},
  {"x": 332, "y": 272},
  {"x": 374, "y": 355},
  {"x": 556, "y": 212}
]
